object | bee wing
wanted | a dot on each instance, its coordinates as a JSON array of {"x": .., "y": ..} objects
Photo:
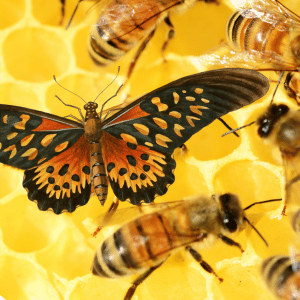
[
  {"x": 121, "y": 216},
  {"x": 269, "y": 11},
  {"x": 135, "y": 15},
  {"x": 221, "y": 57},
  {"x": 292, "y": 178}
]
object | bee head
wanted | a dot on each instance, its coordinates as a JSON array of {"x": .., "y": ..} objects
[
  {"x": 232, "y": 212},
  {"x": 267, "y": 121}
]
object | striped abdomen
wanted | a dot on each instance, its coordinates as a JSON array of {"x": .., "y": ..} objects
[
  {"x": 98, "y": 173},
  {"x": 136, "y": 246},
  {"x": 119, "y": 30},
  {"x": 253, "y": 34},
  {"x": 282, "y": 277}
]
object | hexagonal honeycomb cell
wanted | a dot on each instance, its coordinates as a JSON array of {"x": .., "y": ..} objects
[{"x": 47, "y": 256}]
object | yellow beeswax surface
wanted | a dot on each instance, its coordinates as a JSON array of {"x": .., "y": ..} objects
[{"x": 45, "y": 256}]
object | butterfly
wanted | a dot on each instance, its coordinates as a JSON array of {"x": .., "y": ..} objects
[{"x": 65, "y": 160}]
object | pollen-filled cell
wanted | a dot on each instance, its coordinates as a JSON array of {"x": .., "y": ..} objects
[{"x": 38, "y": 59}]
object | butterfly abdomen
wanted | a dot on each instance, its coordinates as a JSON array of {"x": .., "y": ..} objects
[{"x": 98, "y": 173}]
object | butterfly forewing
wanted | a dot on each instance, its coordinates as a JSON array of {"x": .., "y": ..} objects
[{"x": 147, "y": 131}]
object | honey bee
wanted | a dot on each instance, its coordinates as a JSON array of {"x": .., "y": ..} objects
[
  {"x": 121, "y": 25},
  {"x": 143, "y": 244},
  {"x": 282, "y": 277},
  {"x": 280, "y": 125},
  {"x": 263, "y": 35}
]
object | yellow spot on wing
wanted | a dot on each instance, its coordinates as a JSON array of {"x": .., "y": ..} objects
[
  {"x": 5, "y": 119},
  {"x": 13, "y": 150},
  {"x": 161, "y": 140},
  {"x": 198, "y": 91},
  {"x": 0, "y": 145},
  {"x": 128, "y": 138},
  {"x": 21, "y": 124},
  {"x": 160, "y": 106},
  {"x": 47, "y": 139},
  {"x": 175, "y": 114},
  {"x": 26, "y": 140},
  {"x": 190, "y": 120},
  {"x": 41, "y": 160},
  {"x": 204, "y": 100},
  {"x": 31, "y": 153},
  {"x": 176, "y": 97},
  {"x": 184, "y": 91},
  {"x": 195, "y": 109},
  {"x": 149, "y": 144},
  {"x": 190, "y": 98},
  {"x": 12, "y": 135},
  {"x": 161, "y": 123},
  {"x": 177, "y": 129},
  {"x": 141, "y": 128},
  {"x": 61, "y": 147}
]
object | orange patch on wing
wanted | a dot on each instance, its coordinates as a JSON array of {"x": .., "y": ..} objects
[
  {"x": 111, "y": 153},
  {"x": 31, "y": 153},
  {"x": 47, "y": 139},
  {"x": 133, "y": 113},
  {"x": 77, "y": 156},
  {"x": 51, "y": 125},
  {"x": 161, "y": 123}
]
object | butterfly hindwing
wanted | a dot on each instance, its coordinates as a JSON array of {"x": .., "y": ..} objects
[
  {"x": 54, "y": 154},
  {"x": 166, "y": 118},
  {"x": 137, "y": 172}
]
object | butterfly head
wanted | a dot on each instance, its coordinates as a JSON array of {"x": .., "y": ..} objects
[{"x": 90, "y": 109}]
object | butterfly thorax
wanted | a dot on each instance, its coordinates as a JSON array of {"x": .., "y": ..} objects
[{"x": 92, "y": 123}]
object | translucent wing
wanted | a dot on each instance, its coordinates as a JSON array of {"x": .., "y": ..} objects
[
  {"x": 269, "y": 11},
  {"x": 144, "y": 134},
  {"x": 291, "y": 165},
  {"x": 121, "y": 216},
  {"x": 118, "y": 19},
  {"x": 222, "y": 57},
  {"x": 52, "y": 151}
]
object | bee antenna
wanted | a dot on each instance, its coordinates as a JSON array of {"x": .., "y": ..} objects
[
  {"x": 236, "y": 129},
  {"x": 261, "y": 202},
  {"x": 107, "y": 87},
  {"x": 73, "y": 14},
  {"x": 256, "y": 231},
  {"x": 276, "y": 88},
  {"x": 67, "y": 89}
]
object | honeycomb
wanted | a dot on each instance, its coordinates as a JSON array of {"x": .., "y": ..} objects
[{"x": 45, "y": 256}]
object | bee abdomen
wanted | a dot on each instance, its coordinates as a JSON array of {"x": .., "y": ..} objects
[
  {"x": 136, "y": 246},
  {"x": 98, "y": 172},
  {"x": 253, "y": 34},
  {"x": 277, "y": 272}
]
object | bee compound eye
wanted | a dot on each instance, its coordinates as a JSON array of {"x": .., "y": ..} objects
[{"x": 230, "y": 223}]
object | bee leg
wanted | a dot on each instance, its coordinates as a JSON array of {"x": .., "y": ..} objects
[
  {"x": 137, "y": 54},
  {"x": 139, "y": 280},
  {"x": 171, "y": 35},
  {"x": 196, "y": 255},
  {"x": 63, "y": 4},
  {"x": 230, "y": 242},
  {"x": 227, "y": 126},
  {"x": 107, "y": 215}
]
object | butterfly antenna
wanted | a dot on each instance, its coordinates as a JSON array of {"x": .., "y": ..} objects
[
  {"x": 276, "y": 88},
  {"x": 236, "y": 129},
  {"x": 261, "y": 202},
  {"x": 68, "y": 90},
  {"x": 79, "y": 110},
  {"x": 107, "y": 87},
  {"x": 110, "y": 99},
  {"x": 73, "y": 14},
  {"x": 256, "y": 231}
]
